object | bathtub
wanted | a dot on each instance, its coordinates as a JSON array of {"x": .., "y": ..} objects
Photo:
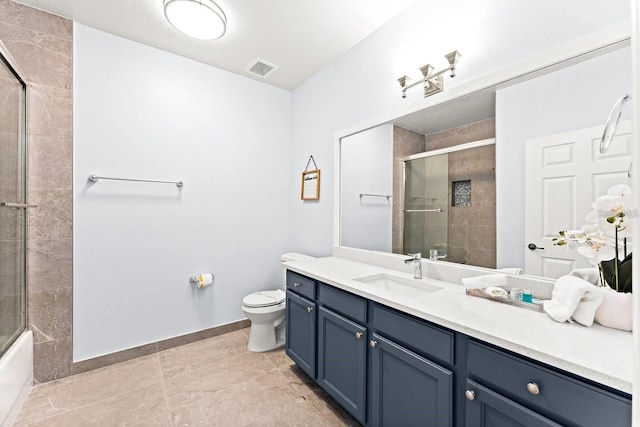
[{"x": 16, "y": 378}]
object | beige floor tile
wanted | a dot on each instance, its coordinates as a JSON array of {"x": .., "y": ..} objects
[
  {"x": 77, "y": 391},
  {"x": 213, "y": 382},
  {"x": 137, "y": 407}
]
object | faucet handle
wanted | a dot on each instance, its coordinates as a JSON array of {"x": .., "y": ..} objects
[{"x": 416, "y": 256}]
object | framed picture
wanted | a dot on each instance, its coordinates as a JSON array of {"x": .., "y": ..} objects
[{"x": 310, "y": 185}]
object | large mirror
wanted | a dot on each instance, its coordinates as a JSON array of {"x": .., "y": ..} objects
[{"x": 479, "y": 177}]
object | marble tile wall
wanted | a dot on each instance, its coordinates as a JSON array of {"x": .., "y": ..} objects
[
  {"x": 42, "y": 46},
  {"x": 471, "y": 228}
]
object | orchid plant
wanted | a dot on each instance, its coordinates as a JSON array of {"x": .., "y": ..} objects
[{"x": 605, "y": 236}]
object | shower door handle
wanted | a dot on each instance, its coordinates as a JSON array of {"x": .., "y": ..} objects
[{"x": 16, "y": 205}]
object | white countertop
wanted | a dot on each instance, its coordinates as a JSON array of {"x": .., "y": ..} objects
[{"x": 600, "y": 354}]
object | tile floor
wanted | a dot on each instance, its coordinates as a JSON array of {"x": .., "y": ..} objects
[{"x": 214, "y": 382}]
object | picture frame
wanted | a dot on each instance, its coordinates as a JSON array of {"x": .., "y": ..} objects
[{"x": 310, "y": 185}]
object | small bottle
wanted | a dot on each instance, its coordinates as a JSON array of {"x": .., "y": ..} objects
[{"x": 516, "y": 294}]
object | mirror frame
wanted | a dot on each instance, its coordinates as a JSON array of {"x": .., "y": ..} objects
[{"x": 565, "y": 55}]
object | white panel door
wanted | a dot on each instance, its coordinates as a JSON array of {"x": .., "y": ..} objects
[{"x": 565, "y": 173}]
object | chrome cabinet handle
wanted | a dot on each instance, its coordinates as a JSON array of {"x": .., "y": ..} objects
[
  {"x": 16, "y": 205},
  {"x": 373, "y": 343},
  {"x": 358, "y": 335},
  {"x": 533, "y": 388},
  {"x": 470, "y": 394},
  {"x": 296, "y": 285},
  {"x": 309, "y": 309}
]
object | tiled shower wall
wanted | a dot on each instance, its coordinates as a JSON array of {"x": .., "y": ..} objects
[
  {"x": 42, "y": 46},
  {"x": 472, "y": 229}
]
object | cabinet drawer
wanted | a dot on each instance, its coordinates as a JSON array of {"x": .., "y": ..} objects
[
  {"x": 561, "y": 397},
  {"x": 415, "y": 334},
  {"x": 342, "y": 302},
  {"x": 301, "y": 285}
]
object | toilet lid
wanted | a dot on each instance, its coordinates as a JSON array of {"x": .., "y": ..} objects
[{"x": 264, "y": 298}]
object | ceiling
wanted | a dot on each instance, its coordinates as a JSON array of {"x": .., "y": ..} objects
[{"x": 299, "y": 36}]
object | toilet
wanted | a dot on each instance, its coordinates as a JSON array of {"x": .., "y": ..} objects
[{"x": 266, "y": 311}]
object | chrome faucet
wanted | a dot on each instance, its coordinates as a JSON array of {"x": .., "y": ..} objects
[{"x": 416, "y": 259}]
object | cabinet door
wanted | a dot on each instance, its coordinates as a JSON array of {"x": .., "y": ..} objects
[
  {"x": 301, "y": 332},
  {"x": 407, "y": 389},
  {"x": 490, "y": 409},
  {"x": 342, "y": 346}
]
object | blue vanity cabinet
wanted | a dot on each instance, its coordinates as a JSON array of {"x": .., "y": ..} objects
[
  {"x": 486, "y": 408},
  {"x": 408, "y": 389},
  {"x": 509, "y": 384},
  {"x": 342, "y": 348},
  {"x": 409, "y": 384},
  {"x": 301, "y": 323}
]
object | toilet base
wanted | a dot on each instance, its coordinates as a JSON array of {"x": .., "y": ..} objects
[{"x": 264, "y": 337}]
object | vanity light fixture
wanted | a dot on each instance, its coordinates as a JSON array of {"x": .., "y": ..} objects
[
  {"x": 200, "y": 19},
  {"x": 433, "y": 82}
]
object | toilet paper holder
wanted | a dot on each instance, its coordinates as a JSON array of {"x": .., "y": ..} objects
[{"x": 196, "y": 280}]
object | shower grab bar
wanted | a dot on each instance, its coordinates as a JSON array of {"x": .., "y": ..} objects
[
  {"x": 95, "y": 178},
  {"x": 612, "y": 124},
  {"x": 423, "y": 210},
  {"x": 17, "y": 205},
  {"x": 387, "y": 196}
]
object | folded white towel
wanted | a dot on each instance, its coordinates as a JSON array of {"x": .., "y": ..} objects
[
  {"x": 511, "y": 270},
  {"x": 575, "y": 298},
  {"x": 591, "y": 275},
  {"x": 481, "y": 282}
]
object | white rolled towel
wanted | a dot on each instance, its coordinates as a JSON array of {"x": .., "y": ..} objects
[
  {"x": 481, "y": 282},
  {"x": 591, "y": 275},
  {"x": 575, "y": 298}
]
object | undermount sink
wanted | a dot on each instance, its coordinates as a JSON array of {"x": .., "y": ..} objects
[{"x": 398, "y": 285}]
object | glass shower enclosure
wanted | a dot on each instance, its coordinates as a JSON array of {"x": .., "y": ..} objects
[
  {"x": 426, "y": 197},
  {"x": 12, "y": 206}
]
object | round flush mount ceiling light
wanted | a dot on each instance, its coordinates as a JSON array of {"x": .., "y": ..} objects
[{"x": 200, "y": 19}]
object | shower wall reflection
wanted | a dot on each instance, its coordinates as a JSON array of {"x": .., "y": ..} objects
[
  {"x": 464, "y": 232},
  {"x": 12, "y": 220}
]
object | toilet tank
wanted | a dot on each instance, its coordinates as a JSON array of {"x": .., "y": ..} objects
[{"x": 288, "y": 257}]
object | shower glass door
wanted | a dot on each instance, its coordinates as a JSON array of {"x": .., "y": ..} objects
[
  {"x": 426, "y": 205},
  {"x": 12, "y": 211}
]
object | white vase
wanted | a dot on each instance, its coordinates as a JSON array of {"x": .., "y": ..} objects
[{"x": 616, "y": 310}]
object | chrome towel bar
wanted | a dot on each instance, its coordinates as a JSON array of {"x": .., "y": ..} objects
[
  {"x": 387, "y": 196},
  {"x": 423, "y": 210},
  {"x": 95, "y": 178},
  {"x": 16, "y": 205}
]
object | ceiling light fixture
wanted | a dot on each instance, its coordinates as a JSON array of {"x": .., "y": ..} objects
[{"x": 200, "y": 19}]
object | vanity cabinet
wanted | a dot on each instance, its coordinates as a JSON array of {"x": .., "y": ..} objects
[
  {"x": 301, "y": 323},
  {"x": 388, "y": 368},
  {"x": 502, "y": 386},
  {"x": 406, "y": 388},
  {"x": 342, "y": 348},
  {"x": 409, "y": 385}
]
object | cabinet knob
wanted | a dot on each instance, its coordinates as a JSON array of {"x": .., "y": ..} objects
[
  {"x": 373, "y": 343},
  {"x": 296, "y": 285},
  {"x": 358, "y": 335},
  {"x": 533, "y": 388},
  {"x": 470, "y": 394},
  {"x": 309, "y": 309}
]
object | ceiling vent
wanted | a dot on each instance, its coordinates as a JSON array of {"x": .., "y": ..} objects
[{"x": 261, "y": 68}]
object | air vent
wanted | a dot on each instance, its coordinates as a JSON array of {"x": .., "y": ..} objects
[{"x": 261, "y": 68}]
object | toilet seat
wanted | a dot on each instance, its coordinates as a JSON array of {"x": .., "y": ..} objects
[{"x": 264, "y": 298}]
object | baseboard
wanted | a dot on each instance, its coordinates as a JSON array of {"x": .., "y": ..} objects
[{"x": 151, "y": 348}]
